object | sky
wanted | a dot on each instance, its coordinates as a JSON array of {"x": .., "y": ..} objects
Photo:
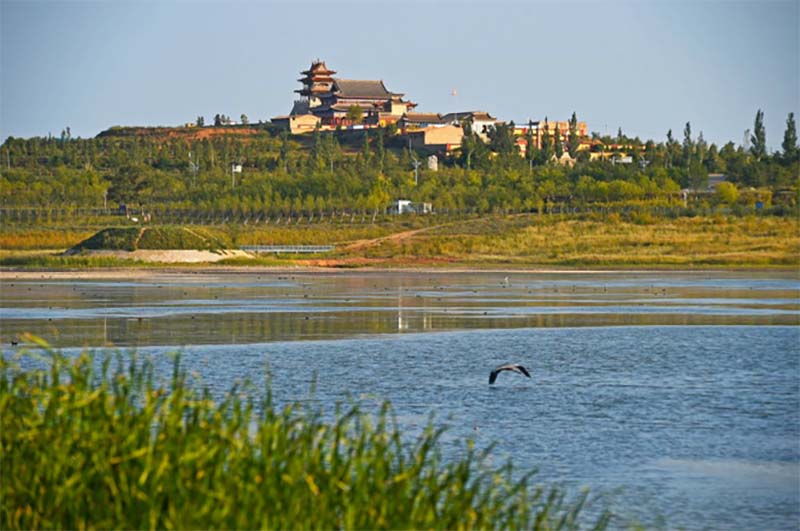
[{"x": 644, "y": 66}]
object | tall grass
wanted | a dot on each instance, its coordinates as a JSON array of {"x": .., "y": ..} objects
[
  {"x": 101, "y": 444},
  {"x": 612, "y": 241}
]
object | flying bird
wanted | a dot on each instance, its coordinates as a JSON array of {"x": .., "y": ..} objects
[{"x": 514, "y": 367}]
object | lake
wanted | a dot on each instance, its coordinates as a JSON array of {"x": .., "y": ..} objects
[{"x": 675, "y": 396}]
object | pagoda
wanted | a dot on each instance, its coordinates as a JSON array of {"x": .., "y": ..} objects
[
  {"x": 330, "y": 98},
  {"x": 316, "y": 80}
]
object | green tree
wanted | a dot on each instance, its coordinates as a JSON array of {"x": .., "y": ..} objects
[
  {"x": 244, "y": 119},
  {"x": 501, "y": 139},
  {"x": 573, "y": 142},
  {"x": 791, "y": 152},
  {"x": 727, "y": 193},
  {"x": 546, "y": 151},
  {"x": 380, "y": 148},
  {"x": 671, "y": 148},
  {"x": 759, "y": 137},
  {"x": 558, "y": 146},
  {"x": 283, "y": 154},
  {"x": 530, "y": 147},
  {"x": 688, "y": 145},
  {"x": 355, "y": 114},
  {"x": 365, "y": 149}
]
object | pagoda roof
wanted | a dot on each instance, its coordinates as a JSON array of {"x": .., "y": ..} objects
[
  {"x": 362, "y": 88},
  {"x": 316, "y": 79},
  {"x": 305, "y": 91},
  {"x": 318, "y": 67}
]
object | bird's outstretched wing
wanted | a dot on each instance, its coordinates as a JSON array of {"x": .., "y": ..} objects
[
  {"x": 524, "y": 371},
  {"x": 493, "y": 376}
]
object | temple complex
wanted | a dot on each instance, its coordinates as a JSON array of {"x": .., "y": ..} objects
[
  {"x": 327, "y": 103},
  {"x": 330, "y": 98}
]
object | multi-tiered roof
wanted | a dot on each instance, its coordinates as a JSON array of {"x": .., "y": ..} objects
[{"x": 316, "y": 80}]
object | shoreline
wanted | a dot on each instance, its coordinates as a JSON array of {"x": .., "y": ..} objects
[{"x": 141, "y": 273}]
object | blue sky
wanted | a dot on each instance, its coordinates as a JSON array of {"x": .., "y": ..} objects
[{"x": 643, "y": 66}]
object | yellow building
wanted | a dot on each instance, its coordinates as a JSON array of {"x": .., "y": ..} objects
[
  {"x": 538, "y": 129},
  {"x": 297, "y": 123},
  {"x": 444, "y": 138}
]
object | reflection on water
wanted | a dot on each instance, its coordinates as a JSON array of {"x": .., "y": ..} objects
[
  {"x": 697, "y": 424},
  {"x": 184, "y": 309}
]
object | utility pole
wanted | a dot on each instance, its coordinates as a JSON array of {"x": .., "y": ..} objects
[
  {"x": 193, "y": 167},
  {"x": 416, "y": 164}
]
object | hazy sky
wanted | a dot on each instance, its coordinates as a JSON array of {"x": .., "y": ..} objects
[{"x": 643, "y": 66}]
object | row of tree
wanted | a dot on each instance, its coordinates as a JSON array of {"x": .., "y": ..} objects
[{"x": 333, "y": 171}]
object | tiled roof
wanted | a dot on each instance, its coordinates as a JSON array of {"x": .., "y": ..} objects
[
  {"x": 356, "y": 88},
  {"x": 475, "y": 115},
  {"x": 422, "y": 117},
  {"x": 316, "y": 67}
]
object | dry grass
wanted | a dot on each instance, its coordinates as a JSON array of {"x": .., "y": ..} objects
[
  {"x": 752, "y": 241},
  {"x": 21, "y": 239},
  {"x": 755, "y": 241}
]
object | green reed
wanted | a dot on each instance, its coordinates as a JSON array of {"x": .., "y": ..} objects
[{"x": 100, "y": 443}]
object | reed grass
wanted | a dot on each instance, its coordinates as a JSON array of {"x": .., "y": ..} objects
[{"x": 99, "y": 443}]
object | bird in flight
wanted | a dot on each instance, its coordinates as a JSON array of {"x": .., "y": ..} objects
[{"x": 514, "y": 367}]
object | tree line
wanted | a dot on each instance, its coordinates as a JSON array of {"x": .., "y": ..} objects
[{"x": 329, "y": 171}]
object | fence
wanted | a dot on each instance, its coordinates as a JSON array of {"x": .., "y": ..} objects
[{"x": 288, "y": 249}]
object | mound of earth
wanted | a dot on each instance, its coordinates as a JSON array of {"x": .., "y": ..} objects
[{"x": 157, "y": 244}]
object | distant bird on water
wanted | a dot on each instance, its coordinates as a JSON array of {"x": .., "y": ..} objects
[{"x": 514, "y": 367}]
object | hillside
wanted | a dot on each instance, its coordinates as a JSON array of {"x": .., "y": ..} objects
[
  {"x": 185, "y": 133},
  {"x": 150, "y": 238}
]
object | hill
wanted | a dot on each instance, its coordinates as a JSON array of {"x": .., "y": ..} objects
[{"x": 150, "y": 238}]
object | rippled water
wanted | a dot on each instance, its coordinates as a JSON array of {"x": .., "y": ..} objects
[{"x": 676, "y": 396}]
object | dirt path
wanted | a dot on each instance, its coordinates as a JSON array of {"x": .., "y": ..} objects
[{"x": 396, "y": 237}]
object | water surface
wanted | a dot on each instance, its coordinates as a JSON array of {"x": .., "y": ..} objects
[{"x": 677, "y": 396}]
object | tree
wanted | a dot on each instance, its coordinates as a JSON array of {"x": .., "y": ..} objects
[
  {"x": 501, "y": 139},
  {"x": 469, "y": 144},
  {"x": 546, "y": 151},
  {"x": 217, "y": 120},
  {"x": 244, "y": 119},
  {"x": 200, "y": 121},
  {"x": 791, "y": 152},
  {"x": 701, "y": 148},
  {"x": 727, "y": 193},
  {"x": 574, "y": 141},
  {"x": 283, "y": 154},
  {"x": 759, "y": 137},
  {"x": 558, "y": 148},
  {"x": 380, "y": 149},
  {"x": 365, "y": 150},
  {"x": 672, "y": 146},
  {"x": 530, "y": 148},
  {"x": 355, "y": 114},
  {"x": 688, "y": 145}
]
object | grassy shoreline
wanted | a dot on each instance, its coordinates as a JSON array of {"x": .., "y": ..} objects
[{"x": 509, "y": 242}]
